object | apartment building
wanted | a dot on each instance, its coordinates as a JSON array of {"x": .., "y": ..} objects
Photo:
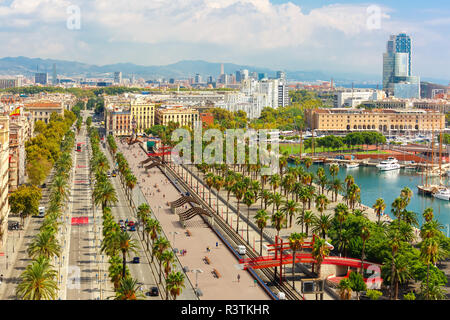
[
  {"x": 184, "y": 116},
  {"x": 20, "y": 130},
  {"x": 4, "y": 177},
  {"x": 41, "y": 110},
  {"x": 142, "y": 114},
  {"x": 341, "y": 120}
]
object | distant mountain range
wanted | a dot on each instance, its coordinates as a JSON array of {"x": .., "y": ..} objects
[{"x": 182, "y": 69}]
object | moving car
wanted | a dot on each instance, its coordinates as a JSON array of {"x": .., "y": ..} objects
[
  {"x": 109, "y": 174},
  {"x": 132, "y": 228},
  {"x": 136, "y": 260},
  {"x": 130, "y": 223}
]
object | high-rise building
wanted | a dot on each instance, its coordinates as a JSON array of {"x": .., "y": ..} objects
[
  {"x": 244, "y": 74},
  {"x": 118, "y": 77},
  {"x": 397, "y": 78},
  {"x": 283, "y": 95},
  {"x": 198, "y": 78},
  {"x": 55, "y": 76},
  {"x": 262, "y": 76},
  {"x": 281, "y": 75},
  {"x": 222, "y": 69},
  {"x": 41, "y": 78},
  {"x": 4, "y": 170},
  {"x": 238, "y": 76}
]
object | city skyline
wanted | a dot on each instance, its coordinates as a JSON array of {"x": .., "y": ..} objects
[{"x": 282, "y": 35}]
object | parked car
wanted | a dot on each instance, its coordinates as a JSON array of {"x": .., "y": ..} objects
[
  {"x": 154, "y": 292},
  {"x": 41, "y": 212},
  {"x": 109, "y": 174},
  {"x": 136, "y": 260},
  {"x": 132, "y": 228},
  {"x": 130, "y": 223}
]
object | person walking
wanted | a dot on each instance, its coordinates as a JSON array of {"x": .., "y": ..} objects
[{"x": 239, "y": 278}]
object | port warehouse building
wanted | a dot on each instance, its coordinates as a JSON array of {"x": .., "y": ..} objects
[{"x": 342, "y": 120}]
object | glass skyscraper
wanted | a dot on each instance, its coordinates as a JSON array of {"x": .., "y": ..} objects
[{"x": 397, "y": 68}]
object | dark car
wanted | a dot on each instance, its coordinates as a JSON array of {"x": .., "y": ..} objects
[
  {"x": 136, "y": 260},
  {"x": 154, "y": 292},
  {"x": 13, "y": 225},
  {"x": 131, "y": 228},
  {"x": 130, "y": 223}
]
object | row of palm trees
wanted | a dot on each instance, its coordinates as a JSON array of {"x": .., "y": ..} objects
[
  {"x": 39, "y": 280},
  {"x": 297, "y": 183},
  {"x": 115, "y": 240}
]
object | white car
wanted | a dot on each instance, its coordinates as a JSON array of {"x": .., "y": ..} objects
[{"x": 41, "y": 212}]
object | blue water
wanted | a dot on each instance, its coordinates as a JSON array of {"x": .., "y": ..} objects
[{"x": 376, "y": 184}]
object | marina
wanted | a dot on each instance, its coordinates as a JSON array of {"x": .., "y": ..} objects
[{"x": 376, "y": 184}]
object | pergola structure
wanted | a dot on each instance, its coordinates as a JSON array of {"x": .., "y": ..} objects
[
  {"x": 182, "y": 201},
  {"x": 277, "y": 258}
]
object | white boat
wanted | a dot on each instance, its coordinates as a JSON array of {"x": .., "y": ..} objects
[
  {"x": 352, "y": 165},
  {"x": 388, "y": 164},
  {"x": 443, "y": 194}
]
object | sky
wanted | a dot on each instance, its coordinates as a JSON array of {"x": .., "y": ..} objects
[{"x": 346, "y": 36}]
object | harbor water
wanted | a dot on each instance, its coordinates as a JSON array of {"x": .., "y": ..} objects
[{"x": 376, "y": 184}]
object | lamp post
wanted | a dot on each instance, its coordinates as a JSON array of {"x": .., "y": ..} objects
[
  {"x": 196, "y": 271},
  {"x": 174, "y": 234}
]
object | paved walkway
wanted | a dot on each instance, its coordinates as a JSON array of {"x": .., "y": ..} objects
[{"x": 224, "y": 288}]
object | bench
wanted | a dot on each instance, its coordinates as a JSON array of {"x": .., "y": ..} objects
[
  {"x": 207, "y": 261},
  {"x": 216, "y": 273},
  {"x": 188, "y": 233}
]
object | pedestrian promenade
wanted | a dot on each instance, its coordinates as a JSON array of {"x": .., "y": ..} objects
[{"x": 222, "y": 285}]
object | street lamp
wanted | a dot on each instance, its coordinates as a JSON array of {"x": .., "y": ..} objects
[
  {"x": 174, "y": 234},
  {"x": 196, "y": 271}
]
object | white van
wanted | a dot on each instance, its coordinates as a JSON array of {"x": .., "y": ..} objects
[
  {"x": 41, "y": 212},
  {"x": 242, "y": 250}
]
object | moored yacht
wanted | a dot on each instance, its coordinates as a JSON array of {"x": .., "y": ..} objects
[
  {"x": 388, "y": 164},
  {"x": 442, "y": 193},
  {"x": 352, "y": 165}
]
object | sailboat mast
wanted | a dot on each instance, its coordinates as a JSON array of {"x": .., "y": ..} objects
[{"x": 440, "y": 149}]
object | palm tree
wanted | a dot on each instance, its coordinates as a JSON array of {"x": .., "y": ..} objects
[
  {"x": 290, "y": 208},
  {"x": 275, "y": 181},
  {"x": 296, "y": 241},
  {"x": 130, "y": 182},
  {"x": 218, "y": 184},
  {"x": 249, "y": 199},
  {"x": 153, "y": 229},
  {"x": 209, "y": 180},
  {"x": 60, "y": 186},
  {"x": 128, "y": 289},
  {"x": 336, "y": 186},
  {"x": 406, "y": 194},
  {"x": 322, "y": 224},
  {"x": 265, "y": 196},
  {"x": 429, "y": 252},
  {"x": 126, "y": 245},
  {"x": 379, "y": 207},
  {"x": 104, "y": 194},
  {"x": 160, "y": 245},
  {"x": 278, "y": 221},
  {"x": 319, "y": 252},
  {"x": 400, "y": 272},
  {"x": 228, "y": 184},
  {"x": 142, "y": 214},
  {"x": 261, "y": 218},
  {"x": 44, "y": 244},
  {"x": 349, "y": 180},
  {"x": 321, "y": 203},
  {"x": 306, "y": 219},
  {"x": 239, "y": 189},
  {"x": 365, "y": 234},
  {"x": 345, "y": 289},
  {"x": 168, "y": 259},
  {"x": 38, "y": 281},
  {"x": 428, "y": 214},
  {"x": 276, "y": 201},
  {"x": 334, "y": 170},
  {"x": 307, "y": 162},
  {"x": 341, "y": 214},
  {"x": 175, "y": 283}
]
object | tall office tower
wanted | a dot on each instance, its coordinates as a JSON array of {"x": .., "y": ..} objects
[
  {"x": 118, "y": 77},
  {"x": 55, "y": 76},
  {"x": 262, "y": 76},
  {"x": 238, "y": 76},
  {"x": 41, "y": 78},
  {"x": 281, "y": 75},
  {"x": 198, "y": 78},
  {"x": 222, "y": 69},
  {"x": 210, "y": 79},
  {"x": 397, "y": 78},
  {"x": 244, "y": 74}
]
